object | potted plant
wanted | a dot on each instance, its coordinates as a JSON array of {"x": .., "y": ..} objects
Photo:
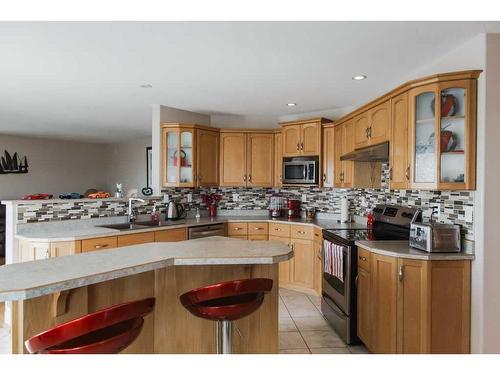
[{"x": 211, "y": 200}]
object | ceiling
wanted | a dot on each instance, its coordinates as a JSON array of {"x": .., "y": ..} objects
[{"x": 81, "y": 80}]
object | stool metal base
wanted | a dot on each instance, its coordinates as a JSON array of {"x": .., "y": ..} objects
[{"x": 224, "y": 333}]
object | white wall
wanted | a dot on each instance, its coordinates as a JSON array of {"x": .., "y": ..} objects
[
  {"x": 126, "y": 164},
  {"x": 55, "y": 166}
]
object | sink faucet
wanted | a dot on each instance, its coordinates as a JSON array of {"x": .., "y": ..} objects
[{"x": 130, "y": 211}]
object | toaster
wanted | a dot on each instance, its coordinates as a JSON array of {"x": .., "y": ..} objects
[{"x": 435, "y": 238}]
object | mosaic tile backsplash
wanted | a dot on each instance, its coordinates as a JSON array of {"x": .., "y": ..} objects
[{"x": 453, "y": 203}]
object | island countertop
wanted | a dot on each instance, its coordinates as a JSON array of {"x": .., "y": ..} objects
[{"x": 32, "y": 279}]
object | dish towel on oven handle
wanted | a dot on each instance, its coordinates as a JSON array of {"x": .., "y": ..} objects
[{"x": 334, "y": 260}]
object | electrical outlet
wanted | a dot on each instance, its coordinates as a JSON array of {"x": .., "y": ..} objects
[
  {"x": 190, "y": 198},
  {"x": 469, "y": 213},
  {"x": 236, "y": 197},
  {"x": 304, "y": 198},
  {"x": 436, "y": 207}
]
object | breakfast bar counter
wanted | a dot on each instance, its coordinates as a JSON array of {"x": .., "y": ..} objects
[{"x": 48, "y": 292}]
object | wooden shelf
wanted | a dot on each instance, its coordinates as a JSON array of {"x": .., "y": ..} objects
[
  {"x": 458, "y": 152},
  {"x": 452, "y": 117},
  {"x": 425, "y": 120}
]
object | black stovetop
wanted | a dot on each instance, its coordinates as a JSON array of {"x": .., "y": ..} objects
[{"x": 380, "y": 232}]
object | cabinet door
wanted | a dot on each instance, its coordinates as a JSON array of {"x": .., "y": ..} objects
[
  {"x": 348, "y": 146},
  {"x": 233, "y": 159},
  {"x": 260, "y": 159},
  {"x": 291, "y": 140},
  {"x": 102, "y": 243},
  {"x": 207, "y": 158},
  {"x": 380, "y": 120},
  {"x": 310, "y": 142},
  {"x": 278, "y": 159},
  {"x": 423, "y": 146},
  {"x": 384, "y": 292},
  {"x": 170, "y": 157},
  {"x": 318, "y": 265},
  {"x": 364, "y": 306},
  {"x": 135, "y": 239},
  {"x": 413, "y": 307},
  {"x": 303, "y": 263},
  {"x": 399, "y": 167},
  {"x": 185, "y": 159},
  {"x": 337, "y": 153},
  {"x": 328, "y": 156},
  {"x": 171, "y": 235},
  {"x": 361, "y": 125},
  {"x": 59, "y": 249},
  {"x": 285, "y": 268}
]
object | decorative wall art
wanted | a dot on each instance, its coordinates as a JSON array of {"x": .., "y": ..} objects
[{"x": 13, "y": 164}]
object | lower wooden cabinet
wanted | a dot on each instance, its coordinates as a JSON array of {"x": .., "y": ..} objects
[
  {"x": 102, "y": 243},
  {"x": 171, "y": 235},
  {"x": 303, "y": 264},
  {"x": 136, "y": 239},
  {"x": 414, "y": 306}
]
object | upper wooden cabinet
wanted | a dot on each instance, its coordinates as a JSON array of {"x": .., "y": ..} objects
[
  {"x": 189, "y": 155},
  {"x": 302, "y": 138},
  {"x": 449, "y": 162},
  {"x": 373, "y": 126},
  {"x": 247, "y": 159},
  {"x": 399, "y": 173},
  {"x": 278, "y": 159},
  {"x": 328, "y": 156}
]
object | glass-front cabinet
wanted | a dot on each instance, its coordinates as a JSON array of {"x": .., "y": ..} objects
[
  {"x": 178, "y": 156},
  {"x": 442, "y": 135}
]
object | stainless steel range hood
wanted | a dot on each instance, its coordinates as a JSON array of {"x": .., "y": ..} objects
[{"x": 372, "y": 153}]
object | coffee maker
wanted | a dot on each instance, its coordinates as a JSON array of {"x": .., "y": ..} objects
[{"x": 293, "y": 208}]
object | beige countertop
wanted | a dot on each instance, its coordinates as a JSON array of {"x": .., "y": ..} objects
[
  {"x": 75, "y": 233},
  {"x": 32, "y": 279},
  {"x": 402, "y": 249}
]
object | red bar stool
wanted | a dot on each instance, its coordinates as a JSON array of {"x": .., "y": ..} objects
[
  {"x": 106, "y": 331},
  {"x": 225, "y": 302}
]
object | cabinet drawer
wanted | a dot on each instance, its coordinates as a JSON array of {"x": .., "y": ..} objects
[
  {"x": 279, "y": 230},
  {"x": 304, "y": 232},
  {"x": 260, "y": 229},
  {"x": 364, "y": 259},
  {"x": 103, "y": 243},
  {"x": 136, "y": 239},
  {"x": 171, "y": 235},
  {"x": 237, "y": 229}
]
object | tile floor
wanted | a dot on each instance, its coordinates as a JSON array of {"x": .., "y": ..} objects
[{"x": 303, "y": 330}]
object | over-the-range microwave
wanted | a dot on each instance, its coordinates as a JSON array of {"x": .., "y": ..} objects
[{"x": 300, "y": 170}]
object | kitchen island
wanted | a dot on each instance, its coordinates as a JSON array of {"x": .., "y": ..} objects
[{"x": 52, "y": 291}]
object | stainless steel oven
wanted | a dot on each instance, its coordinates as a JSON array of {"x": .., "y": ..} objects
[{"x": 300, "y": 170}]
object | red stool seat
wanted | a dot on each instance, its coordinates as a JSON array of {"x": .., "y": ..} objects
[
  {"x": 227, "y": 301},
  {"x": 106, "y": 331}
]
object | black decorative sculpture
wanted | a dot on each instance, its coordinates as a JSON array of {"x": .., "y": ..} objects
[{"x": 13, "y": 164}]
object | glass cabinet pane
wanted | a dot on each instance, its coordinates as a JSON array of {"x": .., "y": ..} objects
[
  {"x": 425, "y": 151},
  {"x": 452, "y": 137},
  {"x": 172, "y": 144},
  {"x": 186, "y": 157}
]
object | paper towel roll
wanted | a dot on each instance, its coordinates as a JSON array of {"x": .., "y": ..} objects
[{"x": 344, "y": 209}]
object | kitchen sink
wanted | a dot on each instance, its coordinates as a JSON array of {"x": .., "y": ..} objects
[
  {"x": 123, "y": 226},
  {"x": 159, "y": 224}
]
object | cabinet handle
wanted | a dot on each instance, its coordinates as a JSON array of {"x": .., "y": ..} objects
[
  {"x": 324, "y": 177},
  {"x": 100, "y": 246},
  {"x": 245, "y": 178},
  {"x": 362, "y": 258},
  {"x": 258, "y": 228},
  {"x": 301, "y": 232},
  {"x": 408, "y": 173},
  {"x": 298, "y": 146},
  {"x": 249, "y": 178},
  {"x": 401, "y": 273},
  {"x": 281, "y": 178},
  {"x": 390, "y": 174},
  {"x": 302, "y": 146},
  {"x": 366, "y": 132},
  {"x": 278, "y": 229},
  {"x": 370, "y": 132}
]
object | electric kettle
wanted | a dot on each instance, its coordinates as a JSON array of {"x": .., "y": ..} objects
[{"x": 175, "y": 210}]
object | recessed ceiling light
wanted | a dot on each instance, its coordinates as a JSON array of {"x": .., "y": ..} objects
[
  {"x": 146, "y": 86},
  {"x": 291, "y": 104},
  {"x": 359, "y": 77}
]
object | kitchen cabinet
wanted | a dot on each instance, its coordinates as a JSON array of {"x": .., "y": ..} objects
[
  {"x": 29, "y": 250},
  {"x": 190, "y": 155},
  {"x": 285, "y": 268},
  {"x": 414, "y": 306},
  {"x": 302, "y": 138},
  {"x": 373, "y": 126},
  {"x": 207, "y": 158},
  {"x": 135, "y": 239},
  {"x": 447, "y": 162},
  {"x": 253, "y": 231},
  {"x": 278, "y": 159},
  {"x": 399, "y": 172},
  {"x": 303, "y": 264},
  {"x": 260, "y": 159},
  {"x": 247, "y": 159},
  {"x": 101, "y": 243},
  {"x": 63, "y": 248},
  {"x": 318, "y": 262},
  {"x": 170, "y": 235},
  {"x": 328, "y": 156},
  {"x": 344, "y": 143}
]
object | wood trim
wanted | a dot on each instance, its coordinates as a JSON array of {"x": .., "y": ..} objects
[
  {"x": 246, "y": 130},
  {"x": 321, "y": 120},
  {"x": 187, "y": 126},
  {"x": 435, "y": 78}
]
